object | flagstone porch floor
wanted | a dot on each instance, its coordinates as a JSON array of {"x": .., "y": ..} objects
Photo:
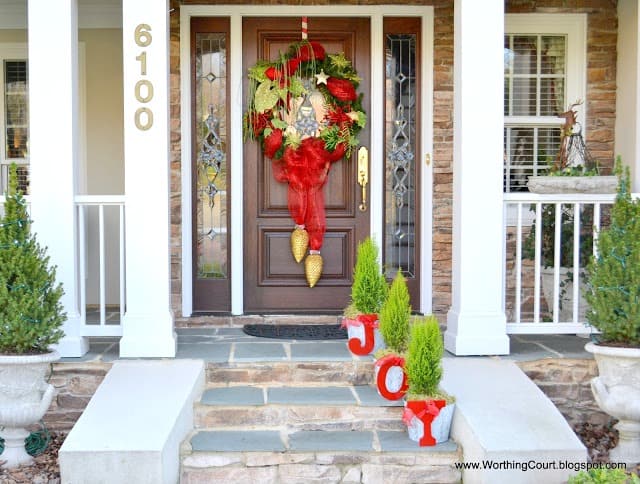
[{"x": 231, "y": 345}]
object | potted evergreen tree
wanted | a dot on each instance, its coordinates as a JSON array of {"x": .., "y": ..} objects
[
  {"x": 428, "y": 410},
  {"x": 368, "y": 293},
  {"x": 613, "y": 279},
  {"x": 30, "y": 319},
  {"x": 391, "y": 380}
]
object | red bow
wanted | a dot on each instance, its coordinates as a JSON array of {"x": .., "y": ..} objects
[
  {"x": 368, "y": 320},
  {"x": 392, "y": 360},
  {"x": 429, "y": 409}
]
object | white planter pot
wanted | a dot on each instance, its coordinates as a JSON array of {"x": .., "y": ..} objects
[
  {"x": 566, "y": 301},
  {"x": 617, "y": 392},
  {"x": 24, "y": 399},
  {"x": 572, "y": 184},
  {"x": 363, "y": 339}
]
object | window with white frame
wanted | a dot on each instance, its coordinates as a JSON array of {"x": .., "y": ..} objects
[
  {"x": 544, "y": 72},
  {"x": 14, "y": 112}
]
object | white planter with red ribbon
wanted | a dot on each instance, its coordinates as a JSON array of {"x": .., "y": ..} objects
[
  {"x": 390, "y": 378},
  {"x": 428, "y": 421},
  {"x": 364, "y": 336}
]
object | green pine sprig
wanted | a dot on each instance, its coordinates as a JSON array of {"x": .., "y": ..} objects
[
  {"x": 395, "y": 314},
  {"x": 613, "y": 276},
  {"x": 423, "y": 363},
  {"x": 369, "y": 288}
]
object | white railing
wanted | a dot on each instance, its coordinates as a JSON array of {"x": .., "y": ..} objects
[
  {"x": 101, "y": 263},
  {"x": 544, "y": 267}
]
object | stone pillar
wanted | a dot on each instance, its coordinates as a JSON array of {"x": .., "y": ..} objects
[
  {"x": 476, "y": 323},
  {"x": 628, "y": 95},
  {"x": 53, "y": 148},
  {"x": 148, "y": 322}
]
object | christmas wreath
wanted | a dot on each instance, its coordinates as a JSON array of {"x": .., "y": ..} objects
[{"x": 305, "y": 111}]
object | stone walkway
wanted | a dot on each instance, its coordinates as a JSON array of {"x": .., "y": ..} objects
[{"x": 220, "y": 345}]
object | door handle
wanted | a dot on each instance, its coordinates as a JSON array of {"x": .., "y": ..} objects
[{"x": 363, "y": 175}]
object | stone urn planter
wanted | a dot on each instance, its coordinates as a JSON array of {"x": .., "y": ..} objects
[
  {"x": 25, "y": 397},
  {"x": 572, "y": 184},
  {"x": 617, "y": 392},
  {"x": 566, "y": 294}
]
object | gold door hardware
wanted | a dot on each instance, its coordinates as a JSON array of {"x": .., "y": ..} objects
[
  {"x": 363, "y": 175},
  {"x": 427, "y": 159}
]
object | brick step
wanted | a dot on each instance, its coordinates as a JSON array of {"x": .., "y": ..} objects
[
  {"x": 346, "y": 371},
  {"x": 297, "y": 408},
  {"x": 316, "y": 456}
]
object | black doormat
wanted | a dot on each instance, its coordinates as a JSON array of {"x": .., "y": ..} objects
[{"x": 296, "y": 331}]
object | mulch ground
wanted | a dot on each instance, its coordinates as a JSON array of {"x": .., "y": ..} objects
[{"x": 598, "y": 440}]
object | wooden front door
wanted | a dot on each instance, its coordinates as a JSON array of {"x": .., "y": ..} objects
[{"x": 273, "y": 281}]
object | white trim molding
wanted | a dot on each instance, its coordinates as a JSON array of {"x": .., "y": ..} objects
[
  {"x": 476, "y": 322},
  {"x": 574, "y": 26}
]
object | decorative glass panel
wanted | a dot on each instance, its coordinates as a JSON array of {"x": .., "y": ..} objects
[
  {"x": 16, "y": 122},
  {"x": 400, "y": 154},
  {"x": 211, "y": 149}
]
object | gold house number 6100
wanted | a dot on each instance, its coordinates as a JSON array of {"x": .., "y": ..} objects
[{"x": 143, "y": 89}]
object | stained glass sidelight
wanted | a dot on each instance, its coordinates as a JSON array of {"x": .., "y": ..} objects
[
  {"x": 400, "y": 154},
  {"x": 211, "y": 159}
]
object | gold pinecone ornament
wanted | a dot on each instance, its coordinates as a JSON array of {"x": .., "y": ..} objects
[
  {"x": 313, "y": 268},
  {"x": 299, "y": 243}
]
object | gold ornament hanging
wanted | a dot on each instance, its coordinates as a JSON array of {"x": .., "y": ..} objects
[
  {"x": 299, "y": 243},
  {"x": 313, "y": 268}
]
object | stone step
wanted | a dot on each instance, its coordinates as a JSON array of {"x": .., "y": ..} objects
[
  {"x": 314, "y": 371},
  {"x": 271, "y": 456},
  {"x": 300, "y": 408}
]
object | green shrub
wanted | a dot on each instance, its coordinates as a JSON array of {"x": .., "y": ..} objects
[
  {"x": 423, "y": 363},
  {"x": 369, "y": 288},
  {"x": 395, "y": 314},
  {"x": 30, "y": 310},
  {"x": 604, "y": 476},
  {"x": 614, "y": 275}
]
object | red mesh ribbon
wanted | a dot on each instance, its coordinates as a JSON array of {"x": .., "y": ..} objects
[
  {"x": 368, "y": 319},
  {"x": 430, "y": 408},
  {"x": 361, "y": 320},
  {"x": 306, "y": 169}
]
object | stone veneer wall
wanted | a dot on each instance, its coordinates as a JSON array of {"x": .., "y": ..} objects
[
  {"x": 75, "y": 384},
  {"x": 601, "y": 92},
  {"x": 567, "y": 384}
]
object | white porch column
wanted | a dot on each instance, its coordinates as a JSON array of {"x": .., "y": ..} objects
[
  {"x": 628, "y": 94},
  {"x": 53, "y": 142},
  {"x": 476, "y": 324},
  {"x": 148, "y": 321}
]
